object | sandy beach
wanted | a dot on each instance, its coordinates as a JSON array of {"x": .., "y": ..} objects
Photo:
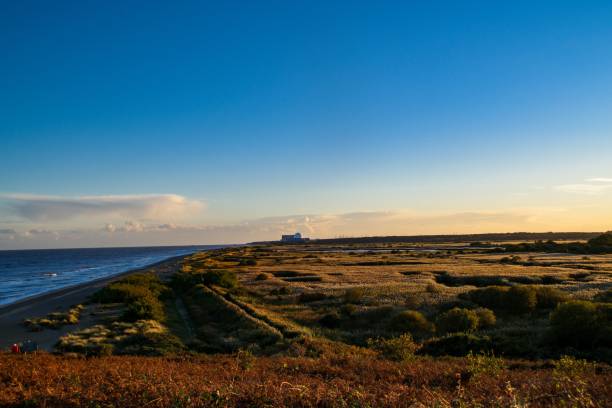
[{"x": 12, "y": 316}]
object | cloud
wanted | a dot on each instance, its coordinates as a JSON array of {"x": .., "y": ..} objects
[
  {"x": 41, "y": 208},
  {"x": 599, "y": 180},
  {"x": 36, "y": 232},
  {"x": 133, "y": 226},
  {"x": 592, "y": 186}
]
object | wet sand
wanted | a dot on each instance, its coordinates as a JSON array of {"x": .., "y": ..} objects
[{"x": 12, "y": 316}]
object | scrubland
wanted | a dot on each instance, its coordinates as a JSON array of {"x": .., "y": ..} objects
[{"x": 378, "y": 324}]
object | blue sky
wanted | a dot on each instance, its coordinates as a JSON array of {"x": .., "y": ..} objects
[{"x": 242, "y": 120}]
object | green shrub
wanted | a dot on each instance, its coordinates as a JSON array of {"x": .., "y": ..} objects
[
  {"x": 485, "y": 363},
  {"x": 306, "y": 297},
  {"x": 456, "y": 344},
  {"x": 348, "y": 309},
  {"x": 262, "y": 276},
  {"x": 400, "y": 348},
  {"x": 521, "y": 299},
  {"x": 524, "y": 342},
  {"x": 582, "y": 324},
  {"x": 220, "y": 277},
  {"x": 140, "y": 293},
  {"x": 457, "y": 320},
  {"x": 150, "y": 344},
  {"x": 353, "y": 295},
  {"x": 549, "y": 298},
  {"x": 411, "y": 321},
  {"x": 518, "y": 299},
  {"x": 486, "y": 317},
  {"x": 605, "y": 296},
  {"x": 492, "y": 297},
  {"x": 331, "y": 320},
  {"x": 247, "y": 262},
  {"x": 121, "y": 292},
  {"x": 144, "y": 308}
]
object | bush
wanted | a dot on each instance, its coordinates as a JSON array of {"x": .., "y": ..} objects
[
  {"x": 518, "y": 299},
  {"x": 144, "y": 308},
  {"x": 521, "y": 299},
  {"x": 605, "y": 296},
  {"x": 331, "y": 320},
  {"x": 262, "y": 276},
  {"x": 457, "y": 320},
  {"x": 220, "y": 277},
  {"x": 580, "y": 324},
  {"x": 412, "y": 322},
  {"x": 492, "y": 297},
  {"x": 353, "y": 295},
  {"x": 306, "y": 297},
  {"x": 348, "y": 309},
  {"x": 456, "y": 344},
  {"x": 400, "y": 348},
  {"x": 485, "y": 364},
  {"x": 150, "y": 344},
  {"x": 486, "y": 317},
  {"x": 140, "y": 293},
  {"x": 549, "y": 298}
]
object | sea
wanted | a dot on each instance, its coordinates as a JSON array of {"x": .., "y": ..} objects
[{"x": 25, "y": 273}]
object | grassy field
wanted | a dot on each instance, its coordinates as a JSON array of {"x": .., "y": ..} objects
[{"x": 358, "y": 324}]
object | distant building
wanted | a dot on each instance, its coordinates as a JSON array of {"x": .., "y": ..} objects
[{"x": 297, "y": 237}]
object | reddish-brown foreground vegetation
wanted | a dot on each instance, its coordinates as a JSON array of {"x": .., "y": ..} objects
[{"x": 243, "y": 380}]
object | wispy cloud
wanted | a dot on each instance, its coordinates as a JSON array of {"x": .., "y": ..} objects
[
  {"x": 592, "y": 186},
  {"x": 41, "y": 208}
]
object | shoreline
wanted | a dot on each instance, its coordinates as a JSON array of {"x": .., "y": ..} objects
[
  {"x": 60, "y": 291},
  {"x": 12, "y": 315}
]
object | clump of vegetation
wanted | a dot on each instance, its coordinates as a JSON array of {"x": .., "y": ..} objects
[
  {"x": 55, "y": 320},
  {"x": 354, "y": 295},
  {"x": 331, "y": 320},
  {"x": 549, "y": 298},
  {"x": 141, "y": 293},
  {"x": 456, "y": 344},
  {"x": 411, "y": 321},
  {"x": 486, "y": 317},
  {"x": 604, "y": 296},
  {"x": 143, "y": 337},
  {"x": 307, "y": 297},
  {"x": 262, "y": 276},
  {"x": 519, "y": 299},
  {"x": 601, "y": 244},
  {"x": 400, "y": 348},
  {"x": 221, "y": 277},
  {"x": 457, "y": 320},
  {"x": 582, "y": 324},
  {"x": 247, "y": 262},
  {"x": 484, "y": 363}
]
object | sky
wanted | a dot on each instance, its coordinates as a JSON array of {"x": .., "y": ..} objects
[{"x": 194, "y": 122}]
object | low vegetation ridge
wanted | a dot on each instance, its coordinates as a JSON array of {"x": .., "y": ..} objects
[{"x": 496, "y": 237}]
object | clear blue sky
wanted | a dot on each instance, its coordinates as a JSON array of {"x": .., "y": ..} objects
[{"x": 275, "y": 109}]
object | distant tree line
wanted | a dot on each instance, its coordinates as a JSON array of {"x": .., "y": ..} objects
[
  {"x": 495, "y": 237},
  {"x": 601, "y": 244}
]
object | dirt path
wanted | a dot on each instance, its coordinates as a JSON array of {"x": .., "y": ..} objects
[{"x": 187, "y": 323}]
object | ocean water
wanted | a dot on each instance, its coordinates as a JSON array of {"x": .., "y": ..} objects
[{"x": 32, "y": 272}]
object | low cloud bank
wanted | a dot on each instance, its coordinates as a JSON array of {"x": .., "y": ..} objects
[
  {"x": 591, "y": 186},
  {"x": 41, "y": 208}
]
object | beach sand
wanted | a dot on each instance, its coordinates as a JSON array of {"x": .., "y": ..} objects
[{"x": 12, "y": 316}]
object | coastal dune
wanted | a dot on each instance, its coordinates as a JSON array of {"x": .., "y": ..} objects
[{"x": 12, "y": 316}]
